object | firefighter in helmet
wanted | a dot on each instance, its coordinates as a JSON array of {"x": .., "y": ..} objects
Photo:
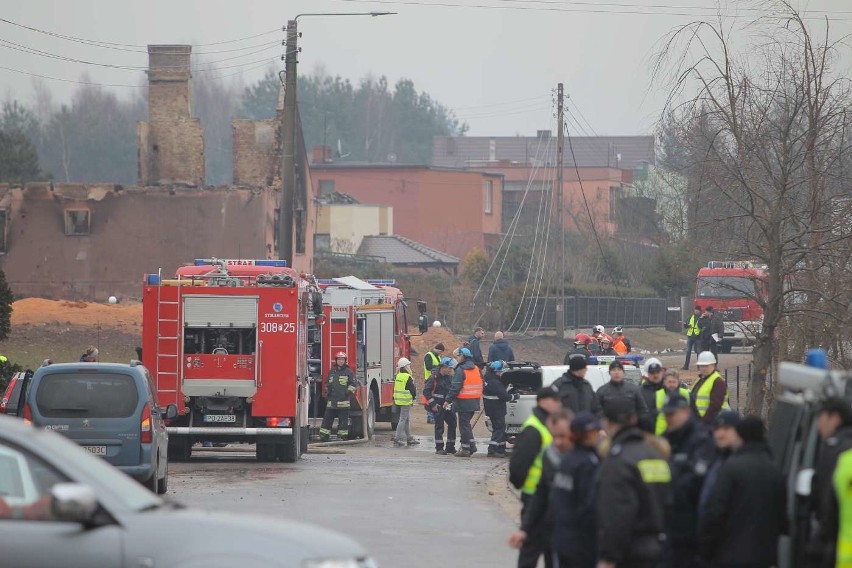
[{"x": 340, "y": 390}]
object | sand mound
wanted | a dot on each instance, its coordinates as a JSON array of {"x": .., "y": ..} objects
[{"x": 38, "y": 311}]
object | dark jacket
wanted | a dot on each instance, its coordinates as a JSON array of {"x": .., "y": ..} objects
[
  {"x": 475, "y": 349},
  {"x": 429, "y": 360},
  {"x": 340, "y": 386},
  {"x": 825, "y": 498},
  {"x": 436, "y": 387},
  {"x": 705, "y": 332},
  {"x": 462, "y": 404},
  {"x": 710, "y": 479},
  {"x": 648, "y": 390},
  {"x": 583, "y": 352},
  {"x": 576, "y": 393},
  {"x": 609, "y": 351},
  {"x": 494, "y": 394},
  {"x": 633, "y": 504},
  {"x": 717, "y": 324},
  {"x": 527, "y": 446},
  {"x": 745, "y": 513},
  {"x": 572, "y": 505},
  {"x": 500, "y": 350},
  {"x": 625, "y": 389},
  {"x": 693, "y": 451}
]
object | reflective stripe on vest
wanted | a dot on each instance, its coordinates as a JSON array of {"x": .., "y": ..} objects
[
  {"x": 661, "y": 400},
  {"x": 842, "y": 481},
  {"x": 534, "y": 473},
  {"x": 702, "y": 397},
  {"x": 401, "y": 395},
  {"x": 692, "y": 329},
  {"x": 426, "y": 372},
  {"x": 472, "y": 386}
]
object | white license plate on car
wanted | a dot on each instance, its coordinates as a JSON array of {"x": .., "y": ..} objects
[
  {"x": 96, "y": 450},
  {"x": 220, "y": 417}
]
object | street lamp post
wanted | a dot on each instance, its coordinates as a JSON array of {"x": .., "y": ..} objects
[{"x": 288, "y": 150}]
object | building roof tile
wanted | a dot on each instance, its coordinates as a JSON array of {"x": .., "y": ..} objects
[{"x": 396, "y": 249}]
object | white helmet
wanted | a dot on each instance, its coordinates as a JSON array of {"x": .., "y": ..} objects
[
  {"x": 653, "y": 362},
  {"x": 599, "y": 329},
  {"x": 403, "y": 362},
  {"x": 706, "y": 358}
]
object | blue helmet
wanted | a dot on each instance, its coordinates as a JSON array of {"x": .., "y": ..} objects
[
  {"x": 464, "y": 351},
  {"x": 497, "y": 366},
  {"x": 447, "y": 361}
]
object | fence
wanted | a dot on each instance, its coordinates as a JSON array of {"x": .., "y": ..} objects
[
  {"x": 581, "y": 312},
  {"x": 738, "y": 378}
]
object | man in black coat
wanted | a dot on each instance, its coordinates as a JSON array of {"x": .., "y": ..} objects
[
  {"x": 475, "y": 347},
  {"x": 693, "y": 452},
  {"x": 494, "y": 399},
  {"x": 617, "y": 387},
  {"x": 651, "y": 383},
  {"x": 717, "y": 328},
  {"x": 575, "y": 391},
  {"x": 744, "y": 517},
  {"x": 633, "y": 493},
  {"x": 500, "y": 350}
]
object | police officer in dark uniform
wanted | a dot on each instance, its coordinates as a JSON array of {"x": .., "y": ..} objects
[
  {"x": 693, "y": 451},
  {"x": 494, "y": 399},
  {"x": 340, "y": 389},
  {"x": 435, "y": 390},
  {"x": 633, "y": 494}
]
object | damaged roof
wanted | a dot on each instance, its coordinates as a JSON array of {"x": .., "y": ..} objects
[{"x": 402, "y": 251}]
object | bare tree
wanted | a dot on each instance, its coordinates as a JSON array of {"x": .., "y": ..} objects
[{"x": 767, "y": 127}]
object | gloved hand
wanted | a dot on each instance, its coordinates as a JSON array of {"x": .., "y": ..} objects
[
  {"x": 515, "y": 397},
  {"x": 448, "y": 406},
  {"x": 436, "y": 408},
  {"x": 510, "y": 388}
]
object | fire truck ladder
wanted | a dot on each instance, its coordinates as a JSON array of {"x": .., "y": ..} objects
[{"x": 167, "y": 322}]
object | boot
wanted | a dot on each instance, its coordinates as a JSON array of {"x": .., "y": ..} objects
[
  {"x": 472, "y": 449},
  {"x": 398, "y": 444},
  {"x": 463, "y": 453},
  {"x": 441, "y": 451},
  {"x": 450, "y": 449},
  {"x": 497, "y": 454},
  {"x": 413, "y": 442}
]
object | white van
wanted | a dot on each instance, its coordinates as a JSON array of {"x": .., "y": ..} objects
[{"x": 527, "y": 378}]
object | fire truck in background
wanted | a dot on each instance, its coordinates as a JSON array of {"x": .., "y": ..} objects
[
  {"x": 733, "y": 289},
  {"x": 227, "y": 342},
  {"x": 369, "y": 321}
]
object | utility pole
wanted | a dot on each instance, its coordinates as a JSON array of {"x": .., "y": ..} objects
[
  {"x": 288, "y": 149},
  {"x": 560, "y": 275}
]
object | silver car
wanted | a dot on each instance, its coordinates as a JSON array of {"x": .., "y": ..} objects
[{"x": 62, "y": 507}]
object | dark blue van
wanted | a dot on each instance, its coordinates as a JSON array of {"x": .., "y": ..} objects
[{"x": 109, "y": 409}]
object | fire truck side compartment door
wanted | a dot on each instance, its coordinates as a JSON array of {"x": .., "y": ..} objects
[
  {"x": 387, "y": 359},
  {"x": 374, "y": 339},
  {"x": 219, "y": 311}
]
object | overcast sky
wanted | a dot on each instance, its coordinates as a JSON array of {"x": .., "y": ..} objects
[{"x": 497, "y": 68}]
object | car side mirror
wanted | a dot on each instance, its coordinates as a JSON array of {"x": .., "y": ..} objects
[
  {"x": 804, "y": 480},
  {"x": 423, "y": 324},
  {"x": 171, "y": 412},
  {"x": 73, "y": 503}
]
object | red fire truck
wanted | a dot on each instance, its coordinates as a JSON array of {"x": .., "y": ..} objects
[
  {"x": 733, "y": 288},
  {"x": 227, "y": 341},
  {"x": 368, "y": 320}
]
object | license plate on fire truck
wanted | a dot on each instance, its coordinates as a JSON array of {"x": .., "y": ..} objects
[{"x": 220, "y": 418}]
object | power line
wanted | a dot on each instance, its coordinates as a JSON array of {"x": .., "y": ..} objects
[
  {"x": 589, "y": 10},
  {"x": 119, "y": 46}
]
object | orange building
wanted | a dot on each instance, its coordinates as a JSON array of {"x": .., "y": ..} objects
[{"x": 447, "y": 209}]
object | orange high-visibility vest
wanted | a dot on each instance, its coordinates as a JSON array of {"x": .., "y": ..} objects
[
  {"x": 619, "y": 346},
  {"x": 472, "y": 386}
]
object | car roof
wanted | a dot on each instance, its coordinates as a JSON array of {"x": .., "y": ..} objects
[{"x": 93, "y": 367}]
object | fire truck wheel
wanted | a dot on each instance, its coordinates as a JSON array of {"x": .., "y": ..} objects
[
  {"x": 289, "y": 451},
  {"x": 265, "y": 452},
  {"x": 180, "y": 449}
]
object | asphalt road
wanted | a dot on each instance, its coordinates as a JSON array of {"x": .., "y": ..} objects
[{"x": 408, "y": 507}]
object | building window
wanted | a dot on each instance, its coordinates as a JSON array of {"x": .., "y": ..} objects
[
  {"x": 3, "y": 216},
  {"x": 489, "y": 196},
  {"x": 77, "y": 222},
  {"x": 322, "y": 242},
  {"x": 326, "y": 187}
]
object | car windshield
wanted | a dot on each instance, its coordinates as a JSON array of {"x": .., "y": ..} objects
[
  {"x": 103, "y": 478},
  {"x": 87, "y": 395},
  {"x": 725, "y": 287}
]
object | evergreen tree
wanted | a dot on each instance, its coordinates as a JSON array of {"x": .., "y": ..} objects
[{"x": 6, "y": 299}]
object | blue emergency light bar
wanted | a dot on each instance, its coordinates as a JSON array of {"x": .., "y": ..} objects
[
  {"x": 605, "y": 359},
  {"x": 242, "y": 262},
  {"x": 389, "y": 282}
]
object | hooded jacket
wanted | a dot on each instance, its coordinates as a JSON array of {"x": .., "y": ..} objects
[
  {"x": 494, "y": 394},
  {"x": 462, "y": 404},
  {"x": 500, "y": 350}
]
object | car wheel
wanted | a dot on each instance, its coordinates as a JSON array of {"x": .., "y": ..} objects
[
  {"x": 163, "y": 483},
  {"x": 154, "y": 482}
]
